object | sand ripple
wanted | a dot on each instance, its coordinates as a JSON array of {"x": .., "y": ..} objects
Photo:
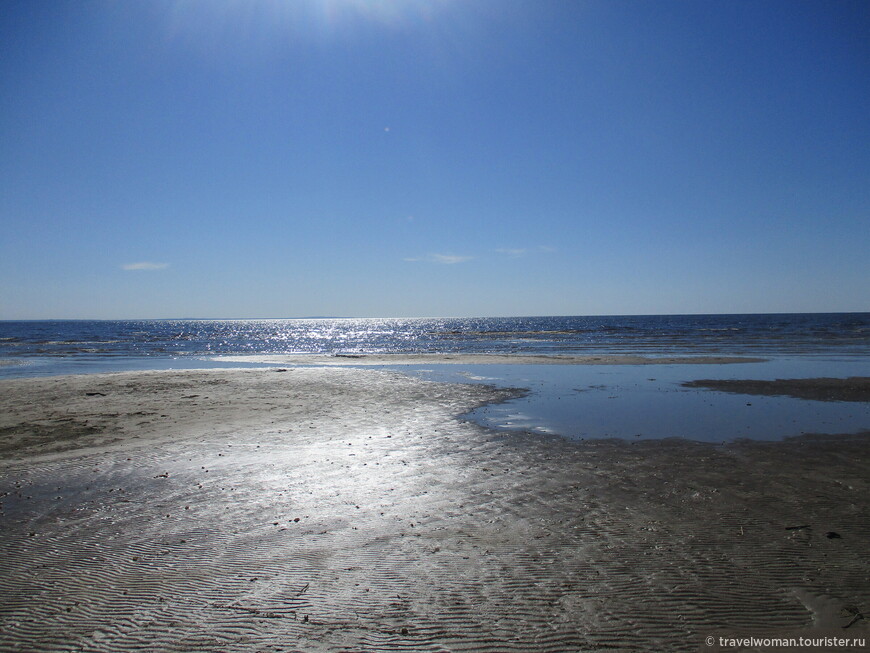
[{"x": 349, "y": 510}]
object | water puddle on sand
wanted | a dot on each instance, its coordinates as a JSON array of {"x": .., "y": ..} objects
[{"x": 637, "y": 402}]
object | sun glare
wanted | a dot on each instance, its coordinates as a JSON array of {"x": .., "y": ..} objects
[
  {"x": 328, "y": 15},
  {"x": 212, "y": 24},
  {"x": 388, "y": 12}
]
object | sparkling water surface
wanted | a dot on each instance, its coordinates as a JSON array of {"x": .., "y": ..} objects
[{"x": 650, "y": 335}]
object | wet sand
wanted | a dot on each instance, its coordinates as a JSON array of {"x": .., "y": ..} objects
[
  {"x": 854, "y": 388},
  {"x": 341, "y": 509}
]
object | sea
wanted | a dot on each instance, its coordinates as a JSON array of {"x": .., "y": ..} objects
[{"x": 575, "y": 401}]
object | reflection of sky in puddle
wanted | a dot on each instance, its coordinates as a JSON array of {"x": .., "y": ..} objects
[{"x": 647, "y": 401}]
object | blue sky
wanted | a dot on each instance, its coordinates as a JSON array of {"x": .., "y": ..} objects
[{"x": 281, "y": 158}]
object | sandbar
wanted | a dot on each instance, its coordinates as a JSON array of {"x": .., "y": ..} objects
[
  {"x": 350, "y": 359},
  {"x": 853, "y": 388}
]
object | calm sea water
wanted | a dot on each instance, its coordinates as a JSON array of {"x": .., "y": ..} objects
[
  {"x": 578, "y": 401},
  {"x": 840, "y": 333}
]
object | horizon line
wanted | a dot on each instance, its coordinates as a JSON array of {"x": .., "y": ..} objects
[{"x": 413, "y": 317}]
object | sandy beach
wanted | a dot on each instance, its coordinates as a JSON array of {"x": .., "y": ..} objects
[{"x": 344, "y": 509}]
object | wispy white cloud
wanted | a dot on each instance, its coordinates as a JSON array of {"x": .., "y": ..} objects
[
  {"x": 145, "y": 265},
  {"x": 525, "y": 251},
  {"x": 513, "y": 253},
  {"x": 444, "y": 259}
]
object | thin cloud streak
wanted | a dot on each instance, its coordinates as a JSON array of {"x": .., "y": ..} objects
[
  {"x": 145, "y": 265},
  {"x": 517, "y": 252},
  {"x": 443, "y": 259},
  {"x": 513, "y": 253}
]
